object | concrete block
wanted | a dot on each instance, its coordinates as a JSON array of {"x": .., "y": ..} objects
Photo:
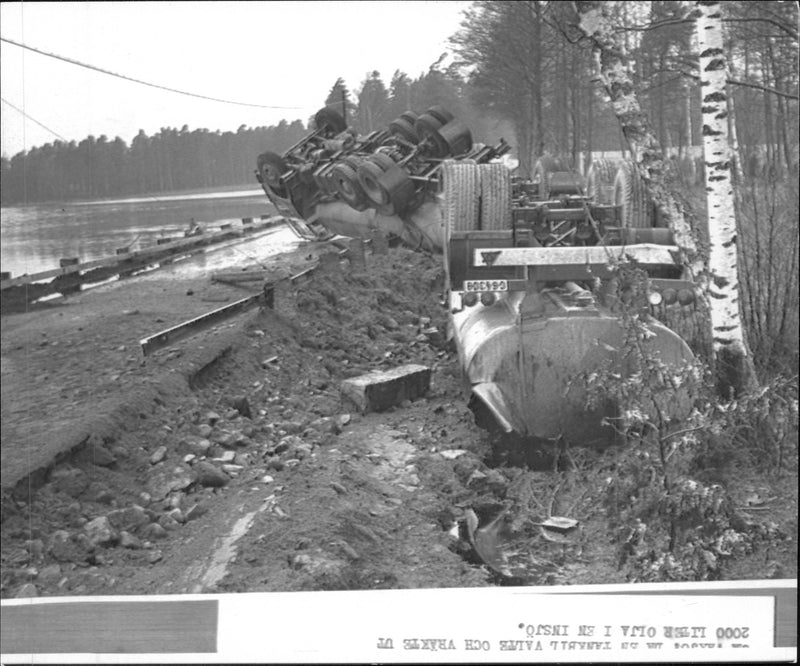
[{"x": 379, "y": 390}]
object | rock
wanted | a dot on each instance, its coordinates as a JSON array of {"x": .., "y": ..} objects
[
  {"x": 154, "y": 556},
  {"x": 344, "y": 419},
  {"x": 378, "y": 391},
  {"x": 209, "y": 476},
  {"x": 327, "y": 425},
  {"x": 242, "y": 405},
  {"x": 99, "y": 455},
  {"x": 35, "y": 548},
  {"x": 66, "y": 547},
  {"x": 101, "y": 494},
  {"x": 267, "y": 479},
  {"x": 50, "y": 572},
  {"x": 158, "y": 455},
  {"x": 70, "y": 480},
  {"x": 212, "y": 418},
  {"x": 204, "y": 430},
  {"x": 226, "y": 457},
  {"x": 154, "y": 531},
  {"x": 198, "y": 446},
  {"x": 232, "y": 470},
  {"x": 338, "y": 487},
  {"x": 301, "y": 451},
  {"x": 242, "y": 459},
  {"x": 181, "y": 482},
  {"x": 27, "y": 590},
  {"x": 275, "y": 463},
  {"x": 195, "y": 512},
  {"x": 128, "y": 518},
  {"x": 177, "y": 515},
  {"x": 100, "y": 532},
  {"x": 168, "y": 522},
  {"x": 128, "y": 540},
  {"x": 189, "y": 458}
]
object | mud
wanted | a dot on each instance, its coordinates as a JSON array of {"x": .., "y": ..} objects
[{"x": 231, "y": 462}]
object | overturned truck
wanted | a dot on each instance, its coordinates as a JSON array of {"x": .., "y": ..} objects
[{"x": 531, "y": 264}]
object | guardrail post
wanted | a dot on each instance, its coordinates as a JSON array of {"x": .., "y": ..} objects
[
  {"x": 284, "y": 302},
  {"x": 68, "y": 261},
  {"x": 357, "y": 255},
  {"x": 122, "y": 250}
]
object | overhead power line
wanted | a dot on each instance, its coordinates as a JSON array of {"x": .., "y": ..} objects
[
  {"x": 144, "y": 83},
  {"x": 34, "y": 120}
]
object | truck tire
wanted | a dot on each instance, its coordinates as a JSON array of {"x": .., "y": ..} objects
[
  {"x": 457, "y": 137},
  {"x": 404, "y": 129},
  {"x": 440, "y": 113},
  {"x": 495, "y": 197},
  {"x": 600, "y": 181},
  {"x": 330, "y": 122},
  {"x": 461, "y": 193},
  {"x": 541, "y": 172},
  {"x": 271, "y": 167},
  {"x": 631, "y": 194},
  {"x": 348, "y": 187}
]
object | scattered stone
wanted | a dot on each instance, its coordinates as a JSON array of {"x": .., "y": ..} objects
[
  {"x": 212, "y": 418},
  {"x": 99, "y": 455},
  {"x": 452, "y": 454},
  {"x": 188, "y": 458},
  {"x": 158, "y": 455},
  {"x": 232, "y": 470},
  {"x": 242, "y": 459},
  {"x": 153, "y": 531},
  {"x": 339, "y": 488},
  {"x": 35, "y": 548},
  {"x": 300, "y": 560},
  {"x": 348, "y": 550},
  {"x": 301, "y": 451},
  {"x": 177, "y": 515},
  {"x": 100, "y": 532},
  {"x": 326, "y": 425},
  {"x": 182, "y": 482},
  {"x": 380, "y": 390},
  {"x": 101, "y": 494},
  {"x": 209, "y": 476},
  {"x": 344, "y": 419},
  {"x": 476, "y": 477},
  {"x": 226, "y": 457},
  {"x": 27, "y": 590},
  {"x": 204, "y": 430},
  {"x": 168, "y": 522},
  {"x": 198, "y": 446},
  {"x": 231, "y": 415},
  {"x": 195, "y": 512},
  {"x": 145, "y": 497},
  {"x": 70, "y": 480},
  {"x": 50, "y": 572},
  {"x": 267, "y": 479},
  {"x": 128, "y": 518},
  {"x": 130, "y": 541},
  {"x": 242, "y": 405},
  {"x": 154, "y": 556}
]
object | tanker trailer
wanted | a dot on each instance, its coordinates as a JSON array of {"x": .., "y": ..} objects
[{"x": 533, "y": 299}]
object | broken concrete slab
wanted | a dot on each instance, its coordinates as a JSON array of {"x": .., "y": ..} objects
[{"x": 379, "y": 390}]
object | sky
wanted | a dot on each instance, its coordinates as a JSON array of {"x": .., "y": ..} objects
[{"x": 276, "y": 53}]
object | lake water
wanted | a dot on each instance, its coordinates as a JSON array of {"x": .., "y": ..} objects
[{"x": 33, "y": 238}]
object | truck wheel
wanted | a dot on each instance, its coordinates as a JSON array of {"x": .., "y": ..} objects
[
  {"x": 330, "y": 122},
  {"x": 495, "y": 197},
  {"x": 404, "y": 129},
  {"x": 427, "y": 128},
  {"x": 541, "y": 173},
  {"x": 386, "y": 184},
  {"x": 440, "y": 113},
  {"x": 349, "y": 187},
  {"x": 460, "y": 183},
  {"x": 600, "y": 181},
  {"x": 409, "y": 116},
  {"x": 271, "y": 167},
  {"x": 631, "y": 194},
  {"x": 457, "y": 137}
]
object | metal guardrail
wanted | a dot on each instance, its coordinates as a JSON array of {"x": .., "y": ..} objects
[
  {"x": 266, "y": 297},
  {"x": 161, "y": 249}
]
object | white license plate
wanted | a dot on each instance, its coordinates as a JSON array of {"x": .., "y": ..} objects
[{"x": 485, "y": 285}]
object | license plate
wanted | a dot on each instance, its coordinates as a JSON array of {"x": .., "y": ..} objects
[{"x": 485, "y": 285}]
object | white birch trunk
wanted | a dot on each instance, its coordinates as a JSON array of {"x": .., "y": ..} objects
[
  {"x": 614, "y": 72},
  {"x": 730, "y": 348}
]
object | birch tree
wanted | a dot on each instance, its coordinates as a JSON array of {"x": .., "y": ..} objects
[
  {"x": 614, "y": 72},
  {"x": 734, "y": 364}
]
